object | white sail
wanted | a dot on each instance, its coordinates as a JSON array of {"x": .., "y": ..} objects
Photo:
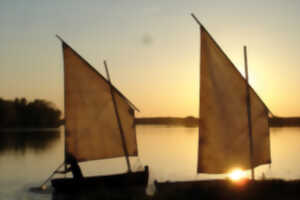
[
  {"x": 92, "y": 130},
  {"x": 223, "y": 132}
]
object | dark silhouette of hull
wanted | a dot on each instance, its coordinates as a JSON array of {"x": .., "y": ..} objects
[
  {"x": 110, "y": 181},
  {"x": 227, "y": 190}
]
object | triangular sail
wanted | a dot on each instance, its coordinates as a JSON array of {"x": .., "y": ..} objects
[
  {"x": 223, "y": 132},
  {"x": 92, "y": 130}
]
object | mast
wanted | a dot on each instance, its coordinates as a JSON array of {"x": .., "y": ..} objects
[
  {"x": 249, "y": 113},
  {"x": 118, "y": 118}
]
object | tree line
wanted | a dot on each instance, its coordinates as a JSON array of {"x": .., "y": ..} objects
[{"x": 19, "y": 113}]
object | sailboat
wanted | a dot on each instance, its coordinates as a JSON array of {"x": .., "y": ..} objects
[
  {"x": 234, "y": 128},
  {"x": 233, "y": 121},
  {"x": 99, "y": 124}
]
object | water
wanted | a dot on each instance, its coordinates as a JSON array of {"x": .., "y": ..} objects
[{"x": 28, "y": 158}]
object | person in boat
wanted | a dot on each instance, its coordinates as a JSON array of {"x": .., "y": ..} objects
[{"x": 73, "y": 167}]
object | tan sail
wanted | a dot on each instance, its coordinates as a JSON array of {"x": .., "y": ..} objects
[
  {"x": 92, "y": 130},
  {"x": 223, "y": 132}
]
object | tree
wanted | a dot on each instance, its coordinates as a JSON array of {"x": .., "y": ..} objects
[{"x": 36, "y": 114}]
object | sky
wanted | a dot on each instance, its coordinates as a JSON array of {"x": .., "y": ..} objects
[{"x": 151, "y": 47}]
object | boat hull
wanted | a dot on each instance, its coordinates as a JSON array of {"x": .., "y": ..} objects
[{"x": 110, "y": 181}]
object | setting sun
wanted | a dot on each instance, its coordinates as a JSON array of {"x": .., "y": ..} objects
[{"x": 237, "y": 174}]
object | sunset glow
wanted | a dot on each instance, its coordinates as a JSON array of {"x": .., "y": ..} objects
[
  {"x": 237, "y": 175},
  {"x": 163, "y": 77}
]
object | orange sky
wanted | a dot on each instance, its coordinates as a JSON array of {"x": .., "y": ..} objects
[{"x": 152, "y": 48}]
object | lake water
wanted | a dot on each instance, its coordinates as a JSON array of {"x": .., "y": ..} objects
[{"x": 28, "y": 158}]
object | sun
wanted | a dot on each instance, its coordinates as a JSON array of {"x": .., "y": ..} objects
[{"x": 237, "y": 174}]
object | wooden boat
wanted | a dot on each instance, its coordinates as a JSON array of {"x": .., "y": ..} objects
[
  {"x": 99, "y": 124},
  {"x": 137, "y": 179}
]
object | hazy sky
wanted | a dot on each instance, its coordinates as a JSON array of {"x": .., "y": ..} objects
[{"x": 152, "y": 48}]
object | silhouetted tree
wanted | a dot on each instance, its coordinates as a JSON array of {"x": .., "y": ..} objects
[{"x": 21, "y": 113}]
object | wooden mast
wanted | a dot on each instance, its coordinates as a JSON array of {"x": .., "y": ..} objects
[
  {"x": 118, "y": 118},
  {"x": 249, "y": 114}
]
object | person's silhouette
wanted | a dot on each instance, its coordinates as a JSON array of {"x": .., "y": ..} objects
[{"x": 73, "y": 167}]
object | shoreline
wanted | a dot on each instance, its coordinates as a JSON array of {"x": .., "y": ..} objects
[
  {"x": 226, "y": 189},
  {"x": 193, "y": 121}
]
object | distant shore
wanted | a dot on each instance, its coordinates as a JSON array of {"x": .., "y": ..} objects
[
  {"x": 284, "y": 121},
  {"x": 174, "y": 121},
  {"x": 23, "y": 114},
  {"x": 193, "y": 121},
  {"x": 169, "y": 121}
]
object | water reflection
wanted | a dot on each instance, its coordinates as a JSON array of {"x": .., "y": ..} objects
[
  {"x": 170, "y": 152},
  {"x": 21, "y": 141}
]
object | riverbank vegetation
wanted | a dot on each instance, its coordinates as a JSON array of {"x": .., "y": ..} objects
[
  {"x": 39, "y": 113},
  {"x": 19, "y": 113}
]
